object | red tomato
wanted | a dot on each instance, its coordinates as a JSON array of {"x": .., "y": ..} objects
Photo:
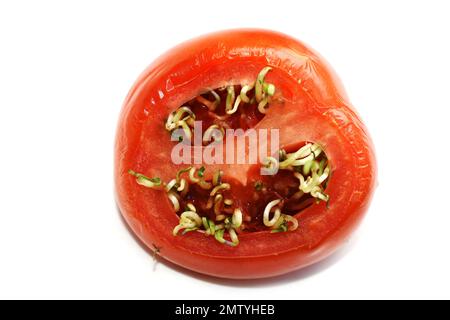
[{"x": 315, "y": 108}]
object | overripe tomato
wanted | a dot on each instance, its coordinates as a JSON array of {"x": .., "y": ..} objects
[{"x": 309, "y": 107}]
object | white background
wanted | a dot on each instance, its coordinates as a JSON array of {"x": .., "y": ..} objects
[{"x": 65, "y": 69}]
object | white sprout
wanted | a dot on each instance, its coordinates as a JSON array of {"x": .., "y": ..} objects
[
  {"x": 192, "y": 175},
  {"x": 307, "y": 167},
  {"x": 216, "y": 96},
  {"x": 270, "y": 222},
  {"x": 209, "y": 226},
  {"x": 292, "y": 220},
  {"x": 204, "y": 185},
  {"x": 177, "y": 229},
  {"x": 230, "y": 98},
  {"x": 219, "y": 235},
  {"x": 146, "y": 181},
  {"x": 223, "y": 186},
  {"x": 301, "y": 162},
  {"x": 218, "y": 203},
  {"x": 236, "y": 219},
  {"x": 285, "y": 223},
  {"x": 234, "y": 237},
  {"x": 193, "y": 216},
  {"x": 269, "y": 88},
  {"x": 260, "y": 82},
  {"x": 176, "y": 116},
  {"x": 236, "y": 106},
  {"x": 325, "y": 174},
  {"x": 210, "y": 203},
  {"x": 205, "y": 223},
  {"x": 244, "y": 90},
  {"x": 189, "y": 221},
  {"x": 312, "y": 184},
  {"x": 317, "y": 192},
  {"x": 300, "y": 153},
  {"x": 220, "y": 217},
  {"x": 174, "y": 199},
  {"x": 262, "y": 105},
  {"x": 191, "y": 207},
  {"x": 171, "y": 184},
  {"x": 217, "y": 177}
]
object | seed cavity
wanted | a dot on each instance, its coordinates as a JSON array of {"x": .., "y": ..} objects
[
  {"x": 184, "y": 118},
  {"x": 226, "y": 219}
]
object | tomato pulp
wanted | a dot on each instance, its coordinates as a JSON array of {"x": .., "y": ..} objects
[{"x": 308, "y": 107}]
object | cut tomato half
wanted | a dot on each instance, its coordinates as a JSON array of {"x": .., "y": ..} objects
[{"x": 226, "y": 218}]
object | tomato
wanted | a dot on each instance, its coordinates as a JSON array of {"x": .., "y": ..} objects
[{"x": 314, "y": 108}]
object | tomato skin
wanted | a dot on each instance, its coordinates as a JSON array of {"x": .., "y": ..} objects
[{"x": 316, "y": 109}]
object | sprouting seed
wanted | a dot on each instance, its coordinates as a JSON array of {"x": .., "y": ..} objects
[
  {"x": 221, "y": 217},
  {"x": 317, "y": 192},
  {"x": 270, "y": 222},
  {"x": 262, "y": 105},
  {"x": 205, "y": 223},
  {"x": 217, "y": 178},
  {"x": 236, "y": 219},
  {"x": 219, "y": 235},
  {"x": 183, "y": 185},
  {"x": 192, "y": 175},
  {"x": 230, "y": 98},
  {"x": 292, "y": 220},
  {"x": 145, "y": 181},
  {"x": 234, "y": 237},
  {"x": 223, "y": 186},
  {"x": 235, "y": 106},
  {"x": 216, "y": 97},
  {"x": 260, "y": 82},
  {"x": 180, "y": 172},
  {"x": 171, "y": 184},
  {"x": 174, "y": 199},
  {"x": 193, "y": 216},
  {"x": 176, "y": 117},
  {"x": 204, "y": 185},
  {"x": 301, "y": 153},
  {"x": 243, "y": 93},
  {"x": 191, "y": 207},
  {"x": 218, "y": 200},
  {"x": 307, "y": 167},
  {"x": 269, "y": 89}
]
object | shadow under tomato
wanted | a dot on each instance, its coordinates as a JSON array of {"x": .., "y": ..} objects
[{"x": 265, "y": 282}]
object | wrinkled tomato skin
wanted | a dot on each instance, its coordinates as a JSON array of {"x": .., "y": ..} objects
[{"x": 316, "y": 109}]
